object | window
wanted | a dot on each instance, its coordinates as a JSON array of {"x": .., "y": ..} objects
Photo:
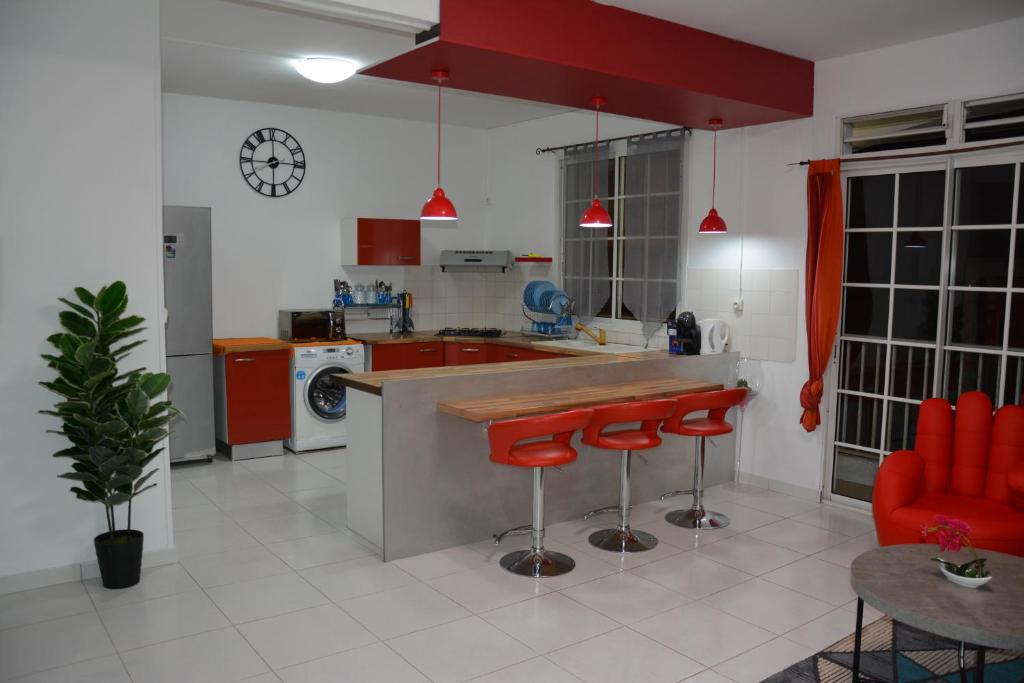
[
  {"x": 628, "y": 272},
  {"x": 922, "y": 127},
  {"x": 933, "y": 304},
  {"x": 994, "y": 118}
]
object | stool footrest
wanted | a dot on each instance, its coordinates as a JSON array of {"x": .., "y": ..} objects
[
  {"x": 604, "y": 510},
  {"x": 671, "y": 494},
  {"x": 514, "y": 531}
]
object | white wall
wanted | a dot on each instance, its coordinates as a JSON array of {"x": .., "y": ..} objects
[
  {"x": 79, "y": 198},
  {"x": 274, "y": 253}
]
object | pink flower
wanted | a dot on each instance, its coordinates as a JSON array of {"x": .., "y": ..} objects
[
  {"x": 952, "y": 534},
  {"x": 950, "y": 540}
]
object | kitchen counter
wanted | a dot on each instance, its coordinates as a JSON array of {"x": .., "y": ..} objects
[
  {"x": 508, "y": 338},
  {"x": 247, "y": 345}
]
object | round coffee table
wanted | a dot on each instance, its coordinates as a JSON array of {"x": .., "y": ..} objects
[{"x": 902, "y": 582}]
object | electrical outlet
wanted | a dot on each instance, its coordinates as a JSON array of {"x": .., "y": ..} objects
[{"x": 737, "y": 305}]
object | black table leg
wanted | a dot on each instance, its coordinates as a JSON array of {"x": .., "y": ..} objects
[
  {"x": 961, "y": 657},
  {"x": 895, "y": 654},
  {"x": 856, "y": 640},
  {"x": 979, "y": 675}
]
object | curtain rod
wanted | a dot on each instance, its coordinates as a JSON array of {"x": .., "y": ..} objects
[
  {"x": 542, "y": 150},
  {"x": 913, "y": 155}
]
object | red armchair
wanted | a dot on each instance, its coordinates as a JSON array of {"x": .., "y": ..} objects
[{"x": 970, "y": 468}]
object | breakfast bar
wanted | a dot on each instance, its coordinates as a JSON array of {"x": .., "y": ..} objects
[{"x": 419, "y": 476}]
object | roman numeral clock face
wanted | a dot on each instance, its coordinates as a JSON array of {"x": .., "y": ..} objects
[{"x": 272, "y": 162}]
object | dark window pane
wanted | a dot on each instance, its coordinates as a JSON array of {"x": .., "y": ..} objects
[
  {"x": 1013, "y": 392},
  {"x": 984, "y": 195},
  {"x": 1017, "y": 322},
  {"x": 918, "y": 258},
  {"x": 1018, "y": 252},
  {"x": 634, "y": 174},
  {"x": 632, "y": 218},
  {"x": 663, "y": 215},
  {"x": 854, "y": 473},
  {"x": 996, "y": 132},
  {"x": 632, "y": 258},
  {"x": 862, "y": 367},
  {"x": 977, "y": 318},
  {"x": 915, "y": 314},
  {"x": 860, "y": 420},
  {"x": 867, "y": 311},
  {"x": 577, "y": 258},
  {"x": 966, "y": 371},
  {"x": 921, "y": 199},
  {"x": 630, "y": 300},
  {"x": 870, "y": 201},
  {"x": 868, "y": 257},
  {"x": 662, "y": 259},
  {"x": 982, "y": 257},
  {"x": 899, "y": 433},
  {"x": 665, "y": 171},
  {"x": 912, "y": 369}
]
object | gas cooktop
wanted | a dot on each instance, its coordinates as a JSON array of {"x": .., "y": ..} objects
[{"x": 469, "y": 332}]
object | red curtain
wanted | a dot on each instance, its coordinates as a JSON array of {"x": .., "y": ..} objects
[{"x": 824, "y": 270}]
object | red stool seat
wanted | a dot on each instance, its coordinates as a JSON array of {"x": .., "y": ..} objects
[
  {"x": 541, "y": 454},
  {"x": 702, "y": 426}
]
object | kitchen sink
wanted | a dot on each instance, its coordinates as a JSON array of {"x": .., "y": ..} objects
[{"x": 589, "y": 345}]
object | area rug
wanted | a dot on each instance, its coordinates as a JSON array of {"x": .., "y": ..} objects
[{"x": 921, "y": 658}]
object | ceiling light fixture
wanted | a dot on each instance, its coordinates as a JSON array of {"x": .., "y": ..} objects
[
  {"x": 596, "y": 216},
  {"x": 326, "y": 69},
  {"x": 438, "y": 207},
  {"x": 713, "y": 223}
]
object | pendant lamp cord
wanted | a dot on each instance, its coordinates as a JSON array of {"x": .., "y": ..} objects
[
  {"x": 597, "y": 114},
  {"x": 439, "y": 133},
  {"x": 714, "y": 167}
]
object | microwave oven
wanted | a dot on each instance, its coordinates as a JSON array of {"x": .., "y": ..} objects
[{"x": 299, "y": 325}]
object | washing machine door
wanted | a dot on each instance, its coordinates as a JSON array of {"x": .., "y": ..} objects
[{"x": 325, "y": 399}]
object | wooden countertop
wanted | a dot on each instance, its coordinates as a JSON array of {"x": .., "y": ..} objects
[
  {"x": 507, "y": 406},
  {"x": 372, "y": 382},
  {"x": 248, "y": 345},
  {"x": 516, "y": 339}
]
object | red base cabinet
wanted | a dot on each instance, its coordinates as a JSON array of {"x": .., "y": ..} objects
[
  {"x": 407, "y": 356},
  {"x": 253, "y": 398},
  {"x": 464, "y": 353}
]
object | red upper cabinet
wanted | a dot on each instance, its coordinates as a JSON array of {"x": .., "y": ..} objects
[{"x": 380, "y": 242}]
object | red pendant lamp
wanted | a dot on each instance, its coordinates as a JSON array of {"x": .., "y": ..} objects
[
  {"x": 713, "y": 223},
  {"x": 596, "y": 216},
  {"x": 439, "y": 207}
]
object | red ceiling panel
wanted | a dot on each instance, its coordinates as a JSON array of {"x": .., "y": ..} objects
[{"x": 564, "y": 52}]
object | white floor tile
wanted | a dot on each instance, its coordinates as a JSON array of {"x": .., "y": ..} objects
[
  {"x": 154, "y": 582},
  {"x": 241, "y": 494},
  {"x": 321, "y": 498},
  {"x": 50, "y": 644},
  {"x": 741, "y": 517},
  {"x": 325, "y": 459},
  {"x": 624, "y": 655},
  {"x": 278, "y": 509},
  {"x": 41, "y": 604},
  {"x": 198, "y": 516},
  {"x": 775, "y": 503},
  {"x": 691, "y": 574},
  {"x": 268, "y": 530},
  {"x": 764, "y": 660},
  {"x": 825, "y": 630},
  {"x": 353, "y": 578},
  {"x": 214, "y": 539},
  {"x": 106, "y": 669},
  {"x": 154, "y": 621},
  {"x": 625, "y": 597},
  {"x": 708, "y": 676},
  {"x": 577, "y": 530},
  {"x": 549, "y": 622},
  {"x": 839, "y": 520},
  {"x": 214, "y": 657},
  {"x": 537, "y": 670},
  {"x": 703, "y": 633},
  {"x": 845, "y": 553},
  {"x": 459, "y": 650},
  {"x": 817, "y": 578},
  {"x": 441, "y": 562},
  {"x": 686, "y": 539},
  {"x": 303, "y": 553},
  {"x": 487, "y": 588},
  {"x": 802, "y": 538},
  {"x": 232, "y": 566},
  {"x": 626, "y": 561},
  {"x": 749, "y": 554},
  {"x": 267, "y": 597},
  {"x": 870, "y": 613},
  {"x": 185, "y": 494},
  {"x": 768, "y": 605},
  {"x": 337, "y": 517},
  {"x": 371, "y": 664},
  {"x": 403, "y": 610},
  {"x": 301, "y": 636},
  {"x": 269, "y": 677}
]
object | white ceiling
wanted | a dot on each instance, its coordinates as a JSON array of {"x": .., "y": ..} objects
[{"x": 821, "y": 29}]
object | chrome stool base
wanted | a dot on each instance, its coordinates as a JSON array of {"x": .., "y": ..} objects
[
  {"x": 697, "y": 519},
  {"x": 538, "y": 564},
  {"x": 623, "y": 541}
]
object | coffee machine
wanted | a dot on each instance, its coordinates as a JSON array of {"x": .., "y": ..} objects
[{"x": 687, "y": 334}]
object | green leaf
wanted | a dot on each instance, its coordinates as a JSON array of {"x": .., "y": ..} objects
[
  {"x": 117, "y": 498},
  {"x": 100, "y": 454},
  {"x": 82, "y": 494},
  {"x": 143, "y": 489},
  {"x": 122, "y": 351},
  {"x": 111, "y": 297},
  {"x": 119, "y": 481},
  {"x": 83, "y": 327},
  {"x": 111, "y": 464},
  {"x": 69, "y": 343},
  {"x": 112, "y": 427},
  {"x": 77, "y": 308},
  {"x": 155, "y": 383},
  {"x": 85, "y": 296},
  {"x": 143, "y": 479},
  {"x": 78, "y": 476}
]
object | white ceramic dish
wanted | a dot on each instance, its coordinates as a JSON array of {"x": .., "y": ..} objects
[{"x": 965, "y": 581}]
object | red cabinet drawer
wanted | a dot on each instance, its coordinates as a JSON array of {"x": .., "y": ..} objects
[
  {"x": 500, "y": 353},
  {"x": 387, "y": 242},
  {"x": 423, "y": 354},
  {"x": 387, "y": 357},
  {"x": 464, "y": 353},
  {"x": 258, "y": 396}
]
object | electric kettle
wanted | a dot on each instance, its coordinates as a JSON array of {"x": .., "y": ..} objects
[{"x": 714, "y": 335}]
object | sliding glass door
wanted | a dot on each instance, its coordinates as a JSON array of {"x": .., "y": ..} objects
[{"x": 932, "y": 305}]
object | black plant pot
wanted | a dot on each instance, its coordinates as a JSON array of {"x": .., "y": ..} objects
[{"x": 120, "y": 558}]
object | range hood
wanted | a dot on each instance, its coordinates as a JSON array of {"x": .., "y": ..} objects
[{"x": 482, "y": 261}]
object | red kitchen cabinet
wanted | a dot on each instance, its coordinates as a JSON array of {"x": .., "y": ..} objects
[
  {"x": 387, "y": 357},
  {"x": 423, "y": 354},
  {"x": 500, "y": 353},
  {"x": 256, "y": 396},
  {"x": 380, "y": 242},
  {"x": 464, "y": 353}
]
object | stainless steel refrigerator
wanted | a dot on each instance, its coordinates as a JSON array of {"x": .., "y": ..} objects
[{"x": 188, "y": 297}]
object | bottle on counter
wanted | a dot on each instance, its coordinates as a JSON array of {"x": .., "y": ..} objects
[{"x": 674, "y": 347}]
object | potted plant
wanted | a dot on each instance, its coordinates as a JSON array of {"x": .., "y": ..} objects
[
  {"x": 109, "y": 416},
  {"x": 953, "y": 535}
]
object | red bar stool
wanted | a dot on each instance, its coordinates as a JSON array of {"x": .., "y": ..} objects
[
  {"x": 649, "y": 414},
  {"x": 716, "y": 403},
  {"x": 506, "y": 449}
]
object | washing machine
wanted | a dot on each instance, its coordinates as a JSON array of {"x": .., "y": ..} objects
[{"x": 318, "y": 404}]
